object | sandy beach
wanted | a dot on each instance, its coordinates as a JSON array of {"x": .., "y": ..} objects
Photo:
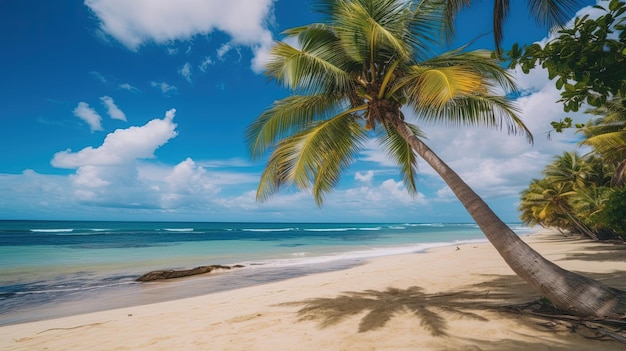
[{"x": 449, "y": 298}]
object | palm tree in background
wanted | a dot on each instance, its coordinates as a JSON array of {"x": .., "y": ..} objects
[
  {"x": 543, "y": 203},
  {"x": 562, "y": 196},
  {"x": 354, "y": 76},
  {"x": 607, "y": 137}
]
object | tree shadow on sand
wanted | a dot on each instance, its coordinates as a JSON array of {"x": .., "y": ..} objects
[
  {"x": 498, "y": 293},
  {"x": 608, "y": 252},
  {"x": 380, "y": 307}
]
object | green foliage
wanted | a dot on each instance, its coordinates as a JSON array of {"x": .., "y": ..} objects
[
  {"x": 587, "y": 61},
  {"x": 607, "y": 136},
  {"x": 613, "y": 216},
  {"x": 571, "y": 196}
]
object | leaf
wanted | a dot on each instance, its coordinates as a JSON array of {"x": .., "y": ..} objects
[{"x": 559, "y": 83}]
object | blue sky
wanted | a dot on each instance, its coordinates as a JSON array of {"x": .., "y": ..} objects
[{"x": 135, "y": 110}]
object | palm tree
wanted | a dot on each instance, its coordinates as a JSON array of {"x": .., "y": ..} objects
[
  {"x": 568, "y": 176},
  {"x": 355, "y": 72},
  {"x": 543, "y": 203},
  {"x": 607, "y": 137},
  {"x": 550, "y": 201},
  {"x": 569, "y": 168}
]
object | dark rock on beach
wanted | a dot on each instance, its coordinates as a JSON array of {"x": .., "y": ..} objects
[{"x": 171, "y": 274}]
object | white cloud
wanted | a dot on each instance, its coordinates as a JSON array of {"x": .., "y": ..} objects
[
  {"x": 372, "y": 152},
  {"x": 364, "y": 177},
  {"x": 388, "y": 194},
  {"x": 185, "y": 71},
  {"x": 116, "y": 173},
  {"x": 135, "y": 23},
  {"x": 205, "y": 64},
  {"x": 163, "y": 86},
  {"x": 98, "y": 76},
  {"x": 89, "y": 176},
  {"x": 122, "y": 146},
  {"x": 223, "y": 50},
  {"x": 128, "y": 87},
  {"x": 112, "y": 109},
  {"x": 89, "y": 115}
]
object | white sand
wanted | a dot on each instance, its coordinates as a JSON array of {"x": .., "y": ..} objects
[{"x": 439, "y": 300}]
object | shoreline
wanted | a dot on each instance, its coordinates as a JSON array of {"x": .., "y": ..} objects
[
  {"x": 442, "y": 298},
  {"x": 130, "y": 293}
]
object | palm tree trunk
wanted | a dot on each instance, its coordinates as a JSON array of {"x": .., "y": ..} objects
[
  {"x": 566, "y": 290},
  {"x": 582, "y": 228}
]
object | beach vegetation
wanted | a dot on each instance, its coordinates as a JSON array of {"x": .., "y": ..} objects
[
  {"x": 367, "y": 71},
  {"x": 571, "y": 197},
  {"x": 582, "y": 194},
  {"x": 587, "y": 61}
]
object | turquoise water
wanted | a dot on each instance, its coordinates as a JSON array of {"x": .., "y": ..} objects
[{"x": 48, "y": 267}]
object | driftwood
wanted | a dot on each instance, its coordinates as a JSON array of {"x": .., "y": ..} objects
[{"x": 172, "y": 274}]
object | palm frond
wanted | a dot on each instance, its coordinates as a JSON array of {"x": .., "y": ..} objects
[
  {"x": 315, "y": 68},
  {"x": 436, "y": 86},
  {"x": 373, "y": 30},
  {"x": 479, "y": 61},
  {"x": 500, "y": 13},
  {"x": 313, "y": 158},
  {"x": 431, "y": 25},
  {"x": 401, "y": 152},
  {"x": 612, "y": 145},
  {"x": 476, "y": 110},
  {"x": 287, "y": 117},
  {"x": 549, "y": 13}
]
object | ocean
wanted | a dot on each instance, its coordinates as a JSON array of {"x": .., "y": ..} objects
[{"x": 51, "y": 269}]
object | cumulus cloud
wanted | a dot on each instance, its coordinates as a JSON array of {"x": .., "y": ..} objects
[
  {"x": 117, "y": 174},
  {"x": 135, "y": 23},
  {"x": 89, "y": 116},
  {"x": 122, "y": 146},
  {"x": 112, "y": 109},
  {"x": 389, "y": 194}
]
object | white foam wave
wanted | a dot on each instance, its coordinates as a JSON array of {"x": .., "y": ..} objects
[
  {"x": 424, "y": 224},
  {"x": 268, "y": 229},
  {"x": 178, "y": 229},
  {"x": 303, "y": 258},
  {"x": 60, "y": 230},
  {"x": 69, "y": 289}
]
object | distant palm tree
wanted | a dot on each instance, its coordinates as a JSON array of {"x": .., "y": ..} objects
[
  {"x": 571, "y": 173},
  {"x": 354, "y": 73},
  {"x": 569, "y": 168},
  {"x": 542, "y": 204},
  {"x": 550, "y": 201},
  {"x": 607, "y": 137}
]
